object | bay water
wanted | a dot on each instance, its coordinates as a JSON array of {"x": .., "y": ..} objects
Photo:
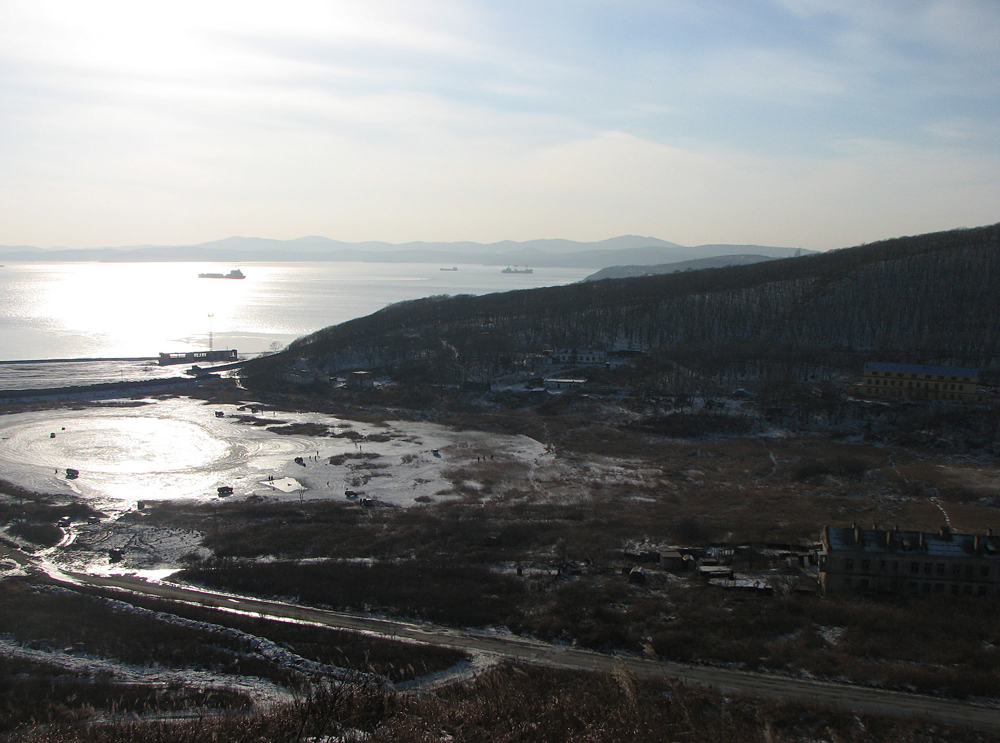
[{"x": 130, "y": 312}]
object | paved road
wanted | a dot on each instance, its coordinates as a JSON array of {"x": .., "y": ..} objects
[{"x": 535, "y": 652}]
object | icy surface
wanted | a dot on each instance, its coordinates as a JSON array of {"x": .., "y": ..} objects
[{"x": 179, "y": 449}]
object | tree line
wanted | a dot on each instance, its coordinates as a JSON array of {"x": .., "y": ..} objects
[{"x": 923, "y": 299}]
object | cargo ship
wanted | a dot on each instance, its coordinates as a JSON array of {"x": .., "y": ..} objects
[{"x": 234, "y": 274}]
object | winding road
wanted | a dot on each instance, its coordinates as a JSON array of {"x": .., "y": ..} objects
[{"x": 854, "y": 698}]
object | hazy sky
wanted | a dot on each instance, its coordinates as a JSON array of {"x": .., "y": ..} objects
[{"x": 813, "y": 123}]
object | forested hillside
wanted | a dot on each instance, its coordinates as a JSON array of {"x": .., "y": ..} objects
[
  {"x": 925, "y": 299},
  {"x": 721, "y": 261}
]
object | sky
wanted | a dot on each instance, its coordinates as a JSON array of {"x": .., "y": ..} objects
[{"x": 802, "y": 123}]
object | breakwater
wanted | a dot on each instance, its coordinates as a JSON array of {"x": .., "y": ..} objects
[
  {"x": 102, "y": 390},
  {"x": 48, "y": 374}
]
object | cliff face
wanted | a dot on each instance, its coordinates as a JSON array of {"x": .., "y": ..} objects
[{"x": 930, "y": 298}]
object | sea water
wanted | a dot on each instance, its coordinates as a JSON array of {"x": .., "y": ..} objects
[{"x": 137, "y": 310}]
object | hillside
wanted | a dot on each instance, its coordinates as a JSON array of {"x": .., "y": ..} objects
[
  {"x": 923, "y": 299},
  {"x": 631, "y": 271}
]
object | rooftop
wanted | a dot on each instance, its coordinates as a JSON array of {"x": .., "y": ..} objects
[{"x": 892, "y": 542}]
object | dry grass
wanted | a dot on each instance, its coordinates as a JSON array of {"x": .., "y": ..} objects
[
  {"x": 81, "y": 620},
  {"x": 527, "y": 705},
  {"x": 37, "y": 694}
]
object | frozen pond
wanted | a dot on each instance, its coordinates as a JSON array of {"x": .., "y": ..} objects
[{"x": 183, "y": 449}]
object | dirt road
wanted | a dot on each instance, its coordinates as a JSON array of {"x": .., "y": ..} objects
[{"x": 535, "y": 652}]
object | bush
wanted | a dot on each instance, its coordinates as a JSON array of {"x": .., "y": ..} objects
[
  {"x": 439, "y": 591},
  {"x": 46, "y": 535},
  {"x": 695, "y": 425},
  {"x": 842, "y": 466}
]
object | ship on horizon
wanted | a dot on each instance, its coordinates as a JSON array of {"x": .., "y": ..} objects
[
  {"x": 515, "y": 269},
  {"x": 234, "y": 274}
]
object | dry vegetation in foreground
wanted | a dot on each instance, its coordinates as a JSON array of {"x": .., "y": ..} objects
[
  {"x": 527, "y": 705},
  {"x": 83, "y": 619},
  {"x": 33, "y": 694},
  {"x": 396, "y": 661},
  {"x": 36, "y": 693}
]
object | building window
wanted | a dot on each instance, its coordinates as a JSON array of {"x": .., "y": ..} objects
[
  {"x": 928, "y": 568},
  {"x": 939, "y": 588},
  {"x": 956, "y": 570},
  {"x": 848, "y": 565},
  {"x": 967, "y": 590},
  {"x": 940, "y": 568},
  {"x": 914, "y": 567},
  {"x": 866, "y": 566},
  {"x": 969, "y": 571},
  {"x": 984, "y": 571},
  {"x": 981, "y": 591},
  {"x": 954, "y": 589}
]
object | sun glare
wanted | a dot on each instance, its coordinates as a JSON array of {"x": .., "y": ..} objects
[{"x": 150, "y": 305}]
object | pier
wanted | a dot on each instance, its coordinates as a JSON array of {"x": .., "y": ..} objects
[{"x": 190, "y": 357}]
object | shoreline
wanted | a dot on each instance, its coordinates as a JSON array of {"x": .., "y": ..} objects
[{"x": 90, "y": 359}]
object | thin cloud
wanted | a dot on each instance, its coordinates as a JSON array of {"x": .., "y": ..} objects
[{"x": 794, "y": 122}]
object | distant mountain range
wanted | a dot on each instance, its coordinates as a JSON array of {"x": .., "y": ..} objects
[{"x": 619, "y": 251}]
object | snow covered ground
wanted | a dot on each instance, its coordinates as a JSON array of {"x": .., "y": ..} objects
[
  {"x": 131, "y": 454},
  {"x": 257, "y": 689},
  {"x": 180, "y": 449}
]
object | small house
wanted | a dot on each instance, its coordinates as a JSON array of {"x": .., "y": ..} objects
[
  {"x": 563, "y": 383},
  {"x": 361, "y": 380},
  {"x": 674, "y": 562}
]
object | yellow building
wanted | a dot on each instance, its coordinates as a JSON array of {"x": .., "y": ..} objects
[{"x": 917, "y": 382}]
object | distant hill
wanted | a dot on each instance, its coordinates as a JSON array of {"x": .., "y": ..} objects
[
  {"x": 722, "y": 261},
  {"x": 924, "y": 299},
  {"x": 627, "y": 249}
]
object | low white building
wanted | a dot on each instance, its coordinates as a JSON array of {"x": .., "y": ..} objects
[
  {"x": 562, "y": 383},
  {"x": 579, "y": 356}
]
